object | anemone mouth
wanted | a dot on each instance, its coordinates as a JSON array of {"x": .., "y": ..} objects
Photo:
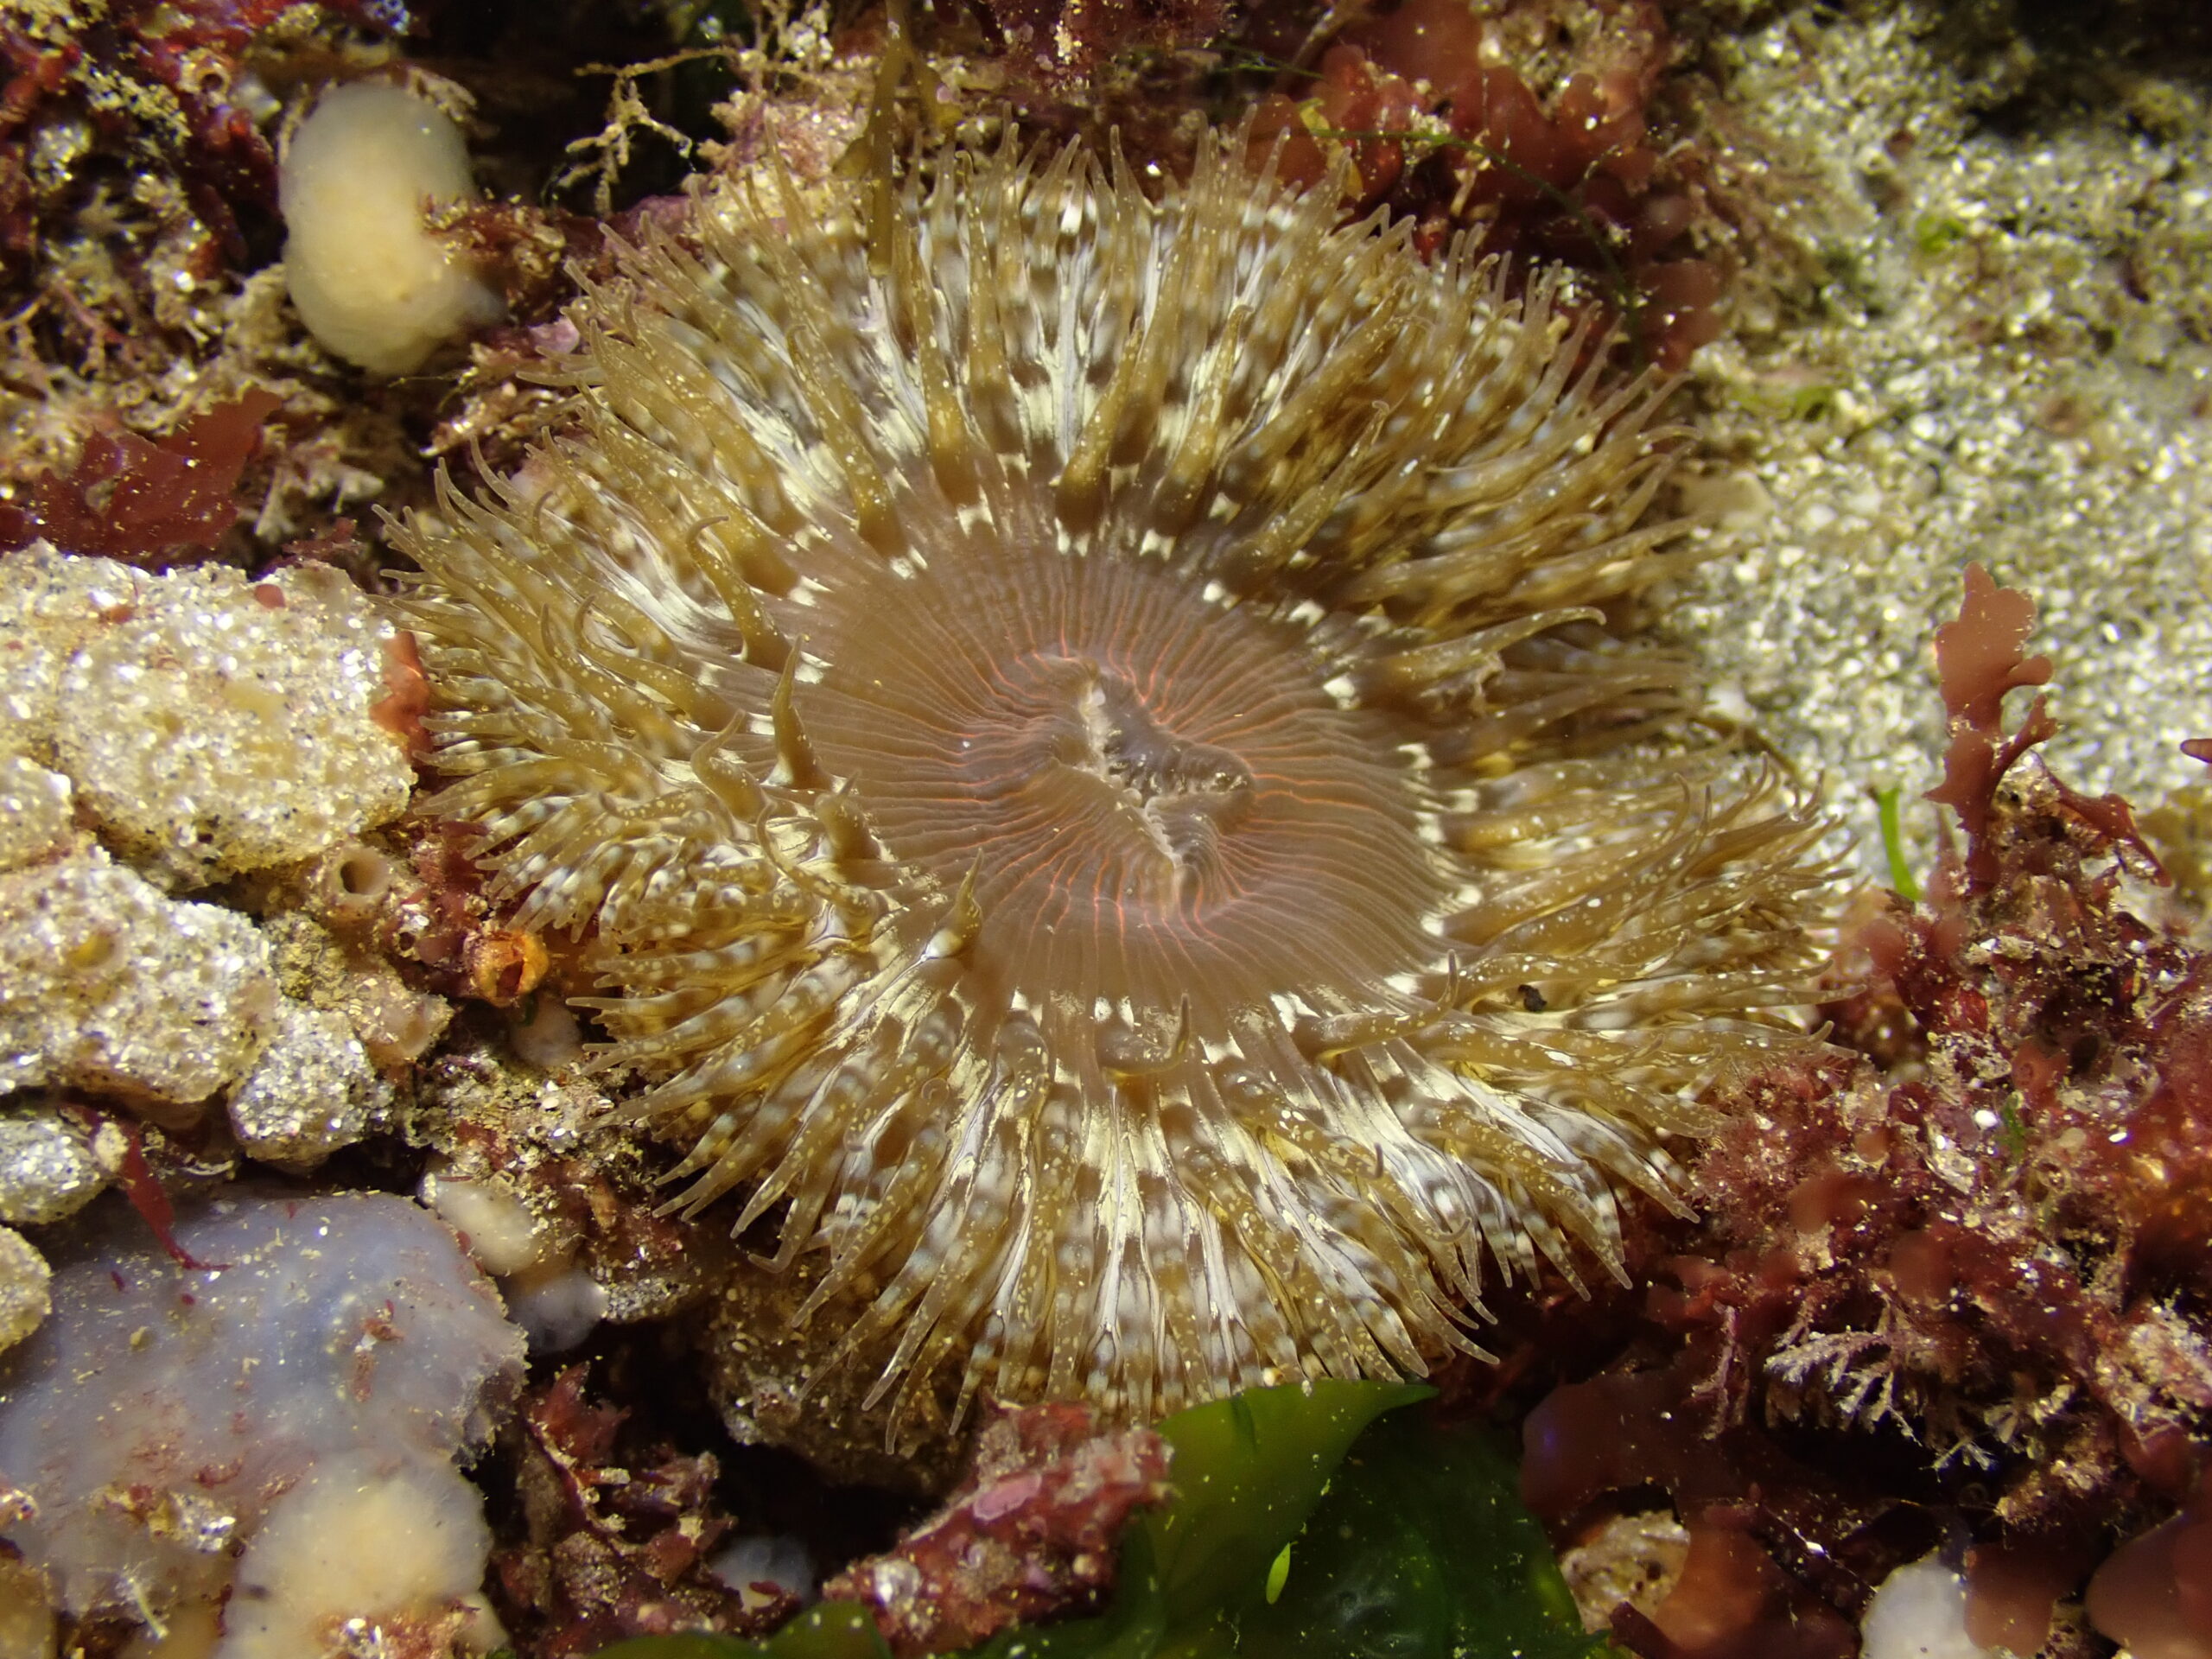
[{"x": 1162, "y": 803}]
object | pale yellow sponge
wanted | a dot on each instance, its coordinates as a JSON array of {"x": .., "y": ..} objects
[
  {"x": 361, "y": 1549},
  {"x": 371, "y": 282}
]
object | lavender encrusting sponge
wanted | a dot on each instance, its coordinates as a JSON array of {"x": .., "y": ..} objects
[{"x": 333, "y": 1356}]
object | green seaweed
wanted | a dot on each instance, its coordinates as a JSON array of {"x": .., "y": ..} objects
[
  {"x": 1886, "y": 808},
  {"x": 1421, "y": 1550},
  {"x": 1296, "y": 1531},
  {"x": 1936, "y": 234}
]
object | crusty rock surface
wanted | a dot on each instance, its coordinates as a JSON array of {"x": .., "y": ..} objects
[
  {"x": 312, "y": 1091},
  {"x": 25, "y": 1287},
  {"x": 210, "y": 725},
  {"x": 109, "y": 985},
  {"x": 49, "y": 1169},
  {"x": 35, "y": 811}
]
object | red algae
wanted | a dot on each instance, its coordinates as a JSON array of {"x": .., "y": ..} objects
[
  {"x": 2011, "y": 1591},
  {"x": 2155, "y": 1593},
  {"x": 618, "y": 1527},
  {"x": 1732, "y": 1602},
  {"x": 147, "y": 502},
  {"x": 1474, "y": 118},
  {"x": 1967, "y": 1296},
  {"x": 156, "y": 80}
]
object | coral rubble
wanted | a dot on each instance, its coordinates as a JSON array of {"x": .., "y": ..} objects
[
  {"x": 25, "y": 1295},
  {"x": 207, "y": 724},
  {"x": 109, "y": 986}
]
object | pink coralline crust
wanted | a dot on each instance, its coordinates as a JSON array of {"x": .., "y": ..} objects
[
  {"x": 407, "y": 696},
  {"x": 151, "y": 503},
  {"x": 1975, "y": 1287},
  {"x": 1559, "y": 163},
  {"x": 1032, "y": 1531}
]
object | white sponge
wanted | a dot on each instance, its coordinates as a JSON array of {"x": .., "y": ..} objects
[
  {"x": 1920, "y": 1613},
  {"x": 370, "y": 282}
]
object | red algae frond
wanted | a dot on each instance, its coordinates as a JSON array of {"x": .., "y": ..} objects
[
  {"x": 1082, "y": 732},
  {"x": 143, "y": 501}
]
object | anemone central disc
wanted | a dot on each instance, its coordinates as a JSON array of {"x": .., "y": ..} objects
[{"x": 1157, "y": 791}]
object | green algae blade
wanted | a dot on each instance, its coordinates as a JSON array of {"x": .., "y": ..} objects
[
  {"x": 1248, "y": 1471},
  {"x": 1421, "y": 1550}
]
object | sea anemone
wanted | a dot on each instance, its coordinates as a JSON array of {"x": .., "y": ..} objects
[{"x": 1076, "y": 722}]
